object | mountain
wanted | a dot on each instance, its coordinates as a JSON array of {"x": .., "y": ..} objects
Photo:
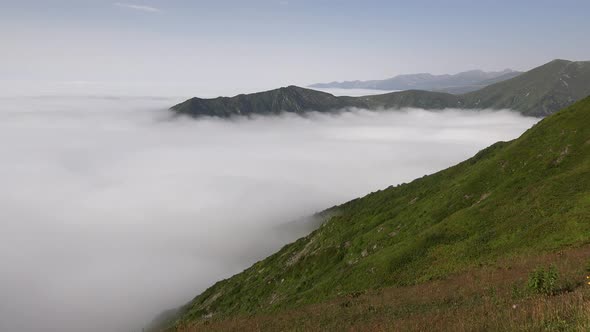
[
  {"x": 461, "y": 89},
  {"x": 538, "y": 92},
  {"x": 287, "y": 99},
  {"x": 461, "y": 82},
  {"x": 453, "y": 248}
]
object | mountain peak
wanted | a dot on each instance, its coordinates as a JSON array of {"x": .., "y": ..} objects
[
  {"x": 560, "y": 61},
  {"x": 291, "y": 99}
]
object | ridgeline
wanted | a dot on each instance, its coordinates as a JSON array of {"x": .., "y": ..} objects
[
  {"x": 458, "y": 83},
  {"x": 538, "y": 92}
]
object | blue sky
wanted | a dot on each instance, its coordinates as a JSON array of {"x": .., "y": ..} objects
[{"x": 265, "y": 43}]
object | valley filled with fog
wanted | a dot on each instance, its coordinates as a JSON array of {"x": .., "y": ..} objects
[{"x": 112, "y": 210}]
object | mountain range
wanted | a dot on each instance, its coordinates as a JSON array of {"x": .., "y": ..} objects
[
  {"x": 500, "y": 241},
  {"x": 538, "y": 92},
  {"x": 458, "y": 83}
]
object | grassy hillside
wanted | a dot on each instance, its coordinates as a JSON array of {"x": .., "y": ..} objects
[
  {"x": 291, "y": 99},
  {"x": 458, "y": 90},
  {"x": 538, "y": 92},
  {"x": 414, "y": 98},
  {"x": 522, "y": 198},
  {"x": 493, "y": 297}
]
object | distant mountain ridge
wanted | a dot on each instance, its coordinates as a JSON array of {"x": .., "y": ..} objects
[
  {"x": 290, "y": 99},
  {"x": 537, "y": 92},
  {"x": 457, "y": 83}
]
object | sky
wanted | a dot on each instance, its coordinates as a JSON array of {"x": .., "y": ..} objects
[{"x": 231, "y": 46}]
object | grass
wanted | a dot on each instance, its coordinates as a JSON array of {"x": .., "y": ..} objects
[
  {"x": 494, "y": 297},
  {"x": 524, "y": 198},
  {"x": 539, "y": 92}
]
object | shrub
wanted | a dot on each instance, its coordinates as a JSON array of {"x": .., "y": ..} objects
[{"x": 543, "y": 281}]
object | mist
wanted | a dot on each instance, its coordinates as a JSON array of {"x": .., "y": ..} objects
[{"x": 112, "y": 211}]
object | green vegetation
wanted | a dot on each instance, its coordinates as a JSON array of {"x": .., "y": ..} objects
[
  {"x": 543, "y": 281},
  {"x": 290, "y": 99},
  {"x": 522, "y": 198},
  {"x": 538, "y": 92},
  {"x": 493, "y": 297}
]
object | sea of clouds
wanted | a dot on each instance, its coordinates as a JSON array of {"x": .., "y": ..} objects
[{"x": 111, "y": 210}]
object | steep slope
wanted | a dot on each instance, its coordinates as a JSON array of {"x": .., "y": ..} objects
[
  {"x": 287, "y": 99},
  {"x": 538, "y": 92},
  {"x": 462, "y": 89},
  {"x": 464, "y": 81},
  {"x": 527, "y": 196}
]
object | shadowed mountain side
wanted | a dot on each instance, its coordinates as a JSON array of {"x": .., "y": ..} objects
[
  {"x": 290, "y": 99},
  {"x": 413, "y": 98},
  {"x": 462, "y": 89},
  {"x": 538, "y": 92}
]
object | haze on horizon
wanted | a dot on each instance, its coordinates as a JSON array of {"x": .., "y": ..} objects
[{"x": 227, "y": 47}]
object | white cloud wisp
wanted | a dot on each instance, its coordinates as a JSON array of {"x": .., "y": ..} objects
[{"x": 142, "y": 8}]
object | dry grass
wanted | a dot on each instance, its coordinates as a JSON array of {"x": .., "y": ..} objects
[{"x": 487, "y": 298}]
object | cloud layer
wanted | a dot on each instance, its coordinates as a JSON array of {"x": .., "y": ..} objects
[
  {"x": 142, "y": 8},
  {"x": 111, "y": 211}
]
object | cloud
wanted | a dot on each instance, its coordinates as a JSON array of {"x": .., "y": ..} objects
[
  {"x": 111, "y": 212},
  {"x": 138, "y": 7},
  {"x": 354, "y": 92}
]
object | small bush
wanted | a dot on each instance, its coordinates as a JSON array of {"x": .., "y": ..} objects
[{"x": 543, "y": 281}]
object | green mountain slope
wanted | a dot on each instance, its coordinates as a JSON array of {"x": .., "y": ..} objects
[
  {"x": 527, "y": 196},
  {"x": 291, "y": 99},
  {"x": 538, "y": 92},
  {"x": 413, "y": 98},
  {"x": 458, "y": 90}
]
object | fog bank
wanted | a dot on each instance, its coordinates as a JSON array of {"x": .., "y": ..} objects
[{"x": 111, "y": 211}]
